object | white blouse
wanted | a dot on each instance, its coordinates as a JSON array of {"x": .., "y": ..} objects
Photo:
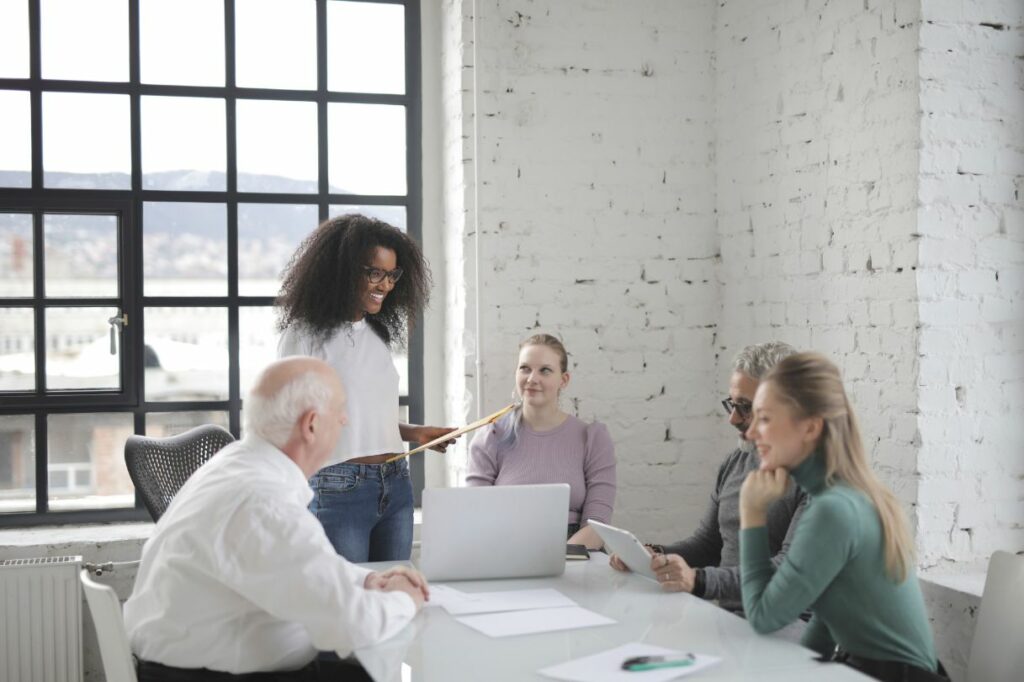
[{"x": 367, "y": 370}]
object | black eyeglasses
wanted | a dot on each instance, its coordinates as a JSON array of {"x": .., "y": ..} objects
[
  {"x": 376, "y": 275},
  {"x": 743, "y": 409}
]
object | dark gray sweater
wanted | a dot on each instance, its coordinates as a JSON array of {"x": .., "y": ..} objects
[{"x": 715, "y": 545}]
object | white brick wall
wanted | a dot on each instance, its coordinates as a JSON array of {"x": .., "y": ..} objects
[
  {"x": 596, "y": 222},
  {"x": 663, "y": 182},
  {"x": 971, "y": 280},
  {"x": 457, "y": 173},
  {"x": 816, "y": 176}
]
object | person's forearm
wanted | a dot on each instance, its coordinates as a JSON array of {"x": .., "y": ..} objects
[
  {"x": 586, "y": 536},
  {"x": 596, "y": 507},
  {"x": 696, "y": 550},
  {"x": 752, "y": 516},
  {"x": 721, "y": 582},
  {"x": 408, "y": 432}
]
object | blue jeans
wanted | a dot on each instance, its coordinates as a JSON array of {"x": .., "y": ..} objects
[{"x": 365, "y": 509}]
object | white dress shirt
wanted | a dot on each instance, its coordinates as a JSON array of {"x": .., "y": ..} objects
[
  {"x": 239, "y": 576},
  {"x": 367, "y": 371}
]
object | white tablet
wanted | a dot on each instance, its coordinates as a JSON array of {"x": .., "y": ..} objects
[{"x": 625, "y": 544}]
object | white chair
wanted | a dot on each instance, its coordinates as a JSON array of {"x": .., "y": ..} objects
[
  {"x": 118, "y": 664},
  {"x": 997, "y": 651}
]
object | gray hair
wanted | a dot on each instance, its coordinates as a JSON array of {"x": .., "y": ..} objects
[
  {"x": 273, "y": 417},
  {"x": 757, "y": 360}
]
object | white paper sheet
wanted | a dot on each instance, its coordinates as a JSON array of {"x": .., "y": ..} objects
[
  {"x": 512, "y": 623},
  {"x": 607, "y": 666},
  {"x": 443, "y": 595},
  {"x": 511, "y": 600}
]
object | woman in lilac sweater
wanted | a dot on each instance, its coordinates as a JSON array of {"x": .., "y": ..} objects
[{"x": 539, "y": 443}]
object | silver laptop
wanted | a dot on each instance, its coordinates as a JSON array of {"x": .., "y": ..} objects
[{"x": 511, "y": 531}]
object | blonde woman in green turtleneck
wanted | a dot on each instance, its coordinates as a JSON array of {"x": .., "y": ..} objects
[{"x": 851, "y": 559}]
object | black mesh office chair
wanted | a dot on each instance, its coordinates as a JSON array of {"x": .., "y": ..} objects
[{"x": 160, "y": 466}]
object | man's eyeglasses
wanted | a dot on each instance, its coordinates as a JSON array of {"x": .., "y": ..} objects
[
  {"x": 376, "y": 275},
  {"x": 742, "y": 409}
]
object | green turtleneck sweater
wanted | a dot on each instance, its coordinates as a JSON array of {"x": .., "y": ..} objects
[{"x": 836, "y": 567}]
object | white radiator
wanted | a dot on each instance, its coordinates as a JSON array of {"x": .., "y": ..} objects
[{"x": 41, "y": 620}]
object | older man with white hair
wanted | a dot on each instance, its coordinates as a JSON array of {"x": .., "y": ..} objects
[
  {"x": 238, "y": 580},
  {"x": 706, "y": 564}
]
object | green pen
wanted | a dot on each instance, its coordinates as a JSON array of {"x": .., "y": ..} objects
[{"x": 639, "y": 663}]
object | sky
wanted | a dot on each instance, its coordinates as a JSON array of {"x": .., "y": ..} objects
[{"x": 275, "y": 48}]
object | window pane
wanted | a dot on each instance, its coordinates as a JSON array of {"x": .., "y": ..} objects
[
  {"x": 162, "y": 23},
  {"x": 15, "y": 136},
  {"x": 17, "y": 350},
  {"x": 185, "y": 249},
  {"x": 183, "y": 143},
  {"x": 17, "y": 464},
  {"x": 14, "y": 39},
  {"x": 275, "y": 44},
  {"x": 85, "y": 39},
  {"x": 86, "y": 461},
  {"x": 86, "y": 141},
  {"x": 268, "y": 235},
  {"x": 163, "y": 424},
  {"x": 257, "y": 343},
  {"x": 365, "y": 47},
  {"x": 367, "y": 148},
  {"x": 15, "y": 255},
  {"x": 78, "y": 349},
  {"x": 277, "y": 146},
  {"x": 392, "y": 215},
  {"x": 186, "y": 354},
  {"x": 81, "y": 255}
]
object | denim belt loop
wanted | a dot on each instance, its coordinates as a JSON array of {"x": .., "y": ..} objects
[{"x": 374, "y": 471}]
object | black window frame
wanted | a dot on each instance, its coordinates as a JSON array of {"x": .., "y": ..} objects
[{"x": 129, "y": 206}]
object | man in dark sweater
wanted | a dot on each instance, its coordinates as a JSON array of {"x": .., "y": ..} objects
[{"x": 706, "y": 564}]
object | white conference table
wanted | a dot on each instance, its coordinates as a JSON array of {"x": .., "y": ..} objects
[{"x": 437, "y": 648}]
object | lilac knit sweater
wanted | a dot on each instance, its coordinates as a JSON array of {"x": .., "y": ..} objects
[{"x": 575, "y": 452}]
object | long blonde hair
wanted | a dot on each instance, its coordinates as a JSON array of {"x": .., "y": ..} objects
[{"x": 812, "y": 385}]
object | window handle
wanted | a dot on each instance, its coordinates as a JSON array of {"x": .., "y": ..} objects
[{"x": 119, "y": 322}]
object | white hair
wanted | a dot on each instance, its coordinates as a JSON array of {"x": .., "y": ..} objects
[
  {"x": 273, "y": 417},
  {"x": 756, "y": 361}
]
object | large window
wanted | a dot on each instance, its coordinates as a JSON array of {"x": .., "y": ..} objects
[{"x": 160, "y": 160}]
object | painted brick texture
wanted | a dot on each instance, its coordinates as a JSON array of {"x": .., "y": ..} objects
[
  {"x": 816, "y": 180},
  {"x": 662, "y": 183},
  {"x": 971, "y": 280},
  {"x": 457, "y": 172},
  {"x": 596, "y": 216}
]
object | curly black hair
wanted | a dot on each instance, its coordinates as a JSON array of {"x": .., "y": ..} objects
[{"x": 324, "y": 279}]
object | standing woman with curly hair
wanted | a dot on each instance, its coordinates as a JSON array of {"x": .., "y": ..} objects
[{"x": 348, "y": 296}]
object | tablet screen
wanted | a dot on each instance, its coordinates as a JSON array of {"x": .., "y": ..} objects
[{"x": 629, "y": 549}]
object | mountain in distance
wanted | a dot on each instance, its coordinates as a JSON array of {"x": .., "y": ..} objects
[
  {"x": 256, "y": 221},
  {"x": 175, "y": 181},
  {"x": 181, "y": 240}
]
